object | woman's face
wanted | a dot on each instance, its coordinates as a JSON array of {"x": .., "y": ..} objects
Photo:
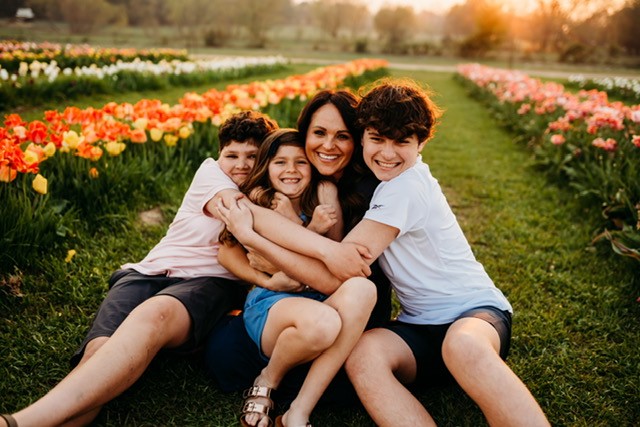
[
  {"x": 290, "y": 171},
  {"x": 329, "y": 144}
]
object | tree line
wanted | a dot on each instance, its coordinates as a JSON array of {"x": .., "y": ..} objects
[{"x": 571, "y": 30}]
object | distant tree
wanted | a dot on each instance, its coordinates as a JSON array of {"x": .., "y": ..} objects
[
  {"x": 459, "y": 21},
  {"x": 142, "y": 13},
  {"x": 336, "y": 16},
  {"x": 394, "y": 25},
  {"x": 593, "y": 30},
  {"x": 481, "y": 24},
  {"x": 190, "y": 17},
  {"x": 83, "y": 17},
  {"x": 625, "y": 28},
  {"x": 549, "y": 25},
  {"x": 46, "y": 9},
  {"x": 8, "y": 8},
  {"x": 259, "y": 16}
]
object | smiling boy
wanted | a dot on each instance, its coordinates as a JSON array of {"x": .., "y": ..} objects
[
  {"x": 454, "y": 324},
  {"x": 169, "y": 300}
]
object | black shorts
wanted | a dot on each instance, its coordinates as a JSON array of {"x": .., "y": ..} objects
[
  {"x": 207, "y": 300},
  {"x": 426, "y": 341}
]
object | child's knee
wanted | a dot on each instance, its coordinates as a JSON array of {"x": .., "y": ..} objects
[
  {"x": 322, "y": 327},
  {"x": 360, "y": 293},
  {"x": 159, "y": 311},
  {"x": 464, "y": 346}
]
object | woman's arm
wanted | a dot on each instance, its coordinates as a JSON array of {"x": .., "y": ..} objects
[{"x": 234, "y": 259}]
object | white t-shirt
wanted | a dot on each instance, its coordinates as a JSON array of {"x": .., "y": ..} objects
[
  {"x": 190, "y": 247},
  {"x": 430, "y": 263}
]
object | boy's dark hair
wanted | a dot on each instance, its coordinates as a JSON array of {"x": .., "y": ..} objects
[
  {"x": 250, "y": 126},
  {"x": 397, "y": 109}
]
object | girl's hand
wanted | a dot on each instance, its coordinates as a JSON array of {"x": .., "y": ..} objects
[
  {"x": 280, "y": 282},
  {"x": 283, "y": 206},
  {"x": 324, "y": 217},
  {"x": 237, "y": 217},
  {"x": 258, "y": 262}
]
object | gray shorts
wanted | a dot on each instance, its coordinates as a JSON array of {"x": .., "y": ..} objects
[
  {"x": 426, "y": 341},
  {"x": 206, "y": 299}
]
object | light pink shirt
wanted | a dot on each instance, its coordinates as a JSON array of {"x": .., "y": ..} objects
[{"x": 190, "y": 247}]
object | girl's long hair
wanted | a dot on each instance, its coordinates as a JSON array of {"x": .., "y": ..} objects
[{"x": 259, "y": 180}]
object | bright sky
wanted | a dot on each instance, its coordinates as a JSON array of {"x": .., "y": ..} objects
[{"x": 442, "y": 6}]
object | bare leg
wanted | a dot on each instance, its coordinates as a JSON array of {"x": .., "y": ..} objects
[
  {"x": 353, "y": 301},
  {"x": 378, "y": 366},
  {"x": 470, "y": 351},
  {"x": 297, "y": 331},
  {"x": 161, "y": 321}
]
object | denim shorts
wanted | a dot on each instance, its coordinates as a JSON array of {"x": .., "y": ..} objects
[{"x": 258, "y": 304}]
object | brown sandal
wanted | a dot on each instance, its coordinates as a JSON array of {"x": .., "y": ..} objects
[
  {"x": 11, "y": 422},
  {"x": 252, "y": 407},
  {"x": 280, "y": 424}
]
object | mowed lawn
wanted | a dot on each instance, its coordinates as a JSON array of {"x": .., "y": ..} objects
[{"x": 576, "y": 323}]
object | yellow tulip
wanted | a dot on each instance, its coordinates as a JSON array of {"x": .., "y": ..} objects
[
  {"x": 93, "y": 173},
  {"x": 71, "y": 139},
  {"x": 170, "y": 140},
  {"x": 141, "y": 123},
  {"x": 70, "y": 254},
  {"x": 30, "y": 157},
  {"x": 156, "y": 134},
  {"x": 40, "y": 184},
  {"x": 184, "y": 132},
  {"x": 49, "y": 149},
  {"x": 114, "y": 148}
]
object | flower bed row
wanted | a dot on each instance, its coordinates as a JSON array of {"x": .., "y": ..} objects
[
  {"x": 13, "y": 53},
  {"x": 583, "y": 139},
  {"x": 40, "y": 82},
  {"x": 624, "y": 88},
  {"x": 77, "y": 168}
]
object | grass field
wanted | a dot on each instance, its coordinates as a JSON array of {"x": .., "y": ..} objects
[{"x": 576, "y": 323}]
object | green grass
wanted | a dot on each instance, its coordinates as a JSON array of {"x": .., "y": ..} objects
[{"x": 576, "y": 323}]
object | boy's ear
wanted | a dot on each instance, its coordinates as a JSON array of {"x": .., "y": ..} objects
[{"x": 421, "y": 145}]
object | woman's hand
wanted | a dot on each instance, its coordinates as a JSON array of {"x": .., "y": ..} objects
[
  {"x": 237, "y": 217},
  {"x": 260, "y": 263},
  {"x": 324, "y": 217},
  {"x": 280, "y": 282}
]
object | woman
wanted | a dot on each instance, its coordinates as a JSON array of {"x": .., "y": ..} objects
[{"x": 332, "y": 145}]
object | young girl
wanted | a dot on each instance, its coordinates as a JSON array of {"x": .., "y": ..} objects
[{"x": 292, "y": 328}]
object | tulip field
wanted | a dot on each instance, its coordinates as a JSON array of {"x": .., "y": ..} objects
[
  {"x": 88, "y": 162},
  {"x": 542, "y": 175},
  {"x": 584, "y": 139}
]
